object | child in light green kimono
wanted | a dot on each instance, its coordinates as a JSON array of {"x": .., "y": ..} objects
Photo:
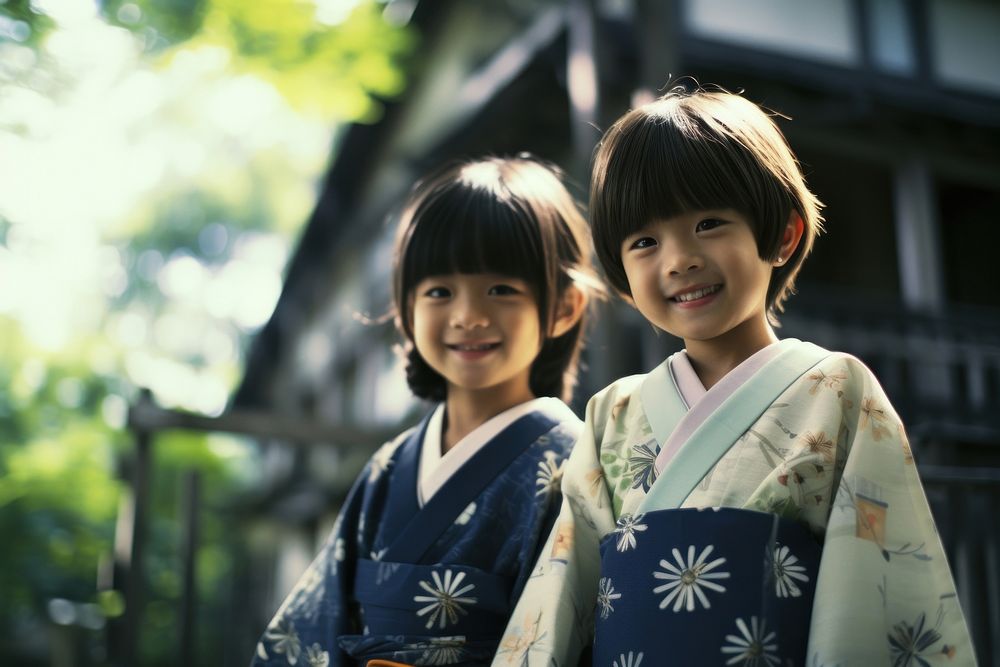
[{"x": 750, "y": 501}]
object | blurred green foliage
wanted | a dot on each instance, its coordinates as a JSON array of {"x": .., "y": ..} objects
[
  {"x": 26, "y": 22},
  {"x": 338, "y": 70},
  {"x": 59, "y": 499},
  {"x": 58, "y": 496},
  {"x": 159, "y": 22},
  {"x": 64, "y": 453}
]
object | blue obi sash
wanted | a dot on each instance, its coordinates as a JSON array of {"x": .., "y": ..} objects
[
  {"x": 429, "y": 614},
  {"x": 420, "y": 612},
  {"x": 705, "y": 587},
  {"x": 400, "y": 598}
]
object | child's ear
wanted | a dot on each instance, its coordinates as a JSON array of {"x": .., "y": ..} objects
[
  {"x": 572, "y": 303},
  {"x": 790, "y": 238}
]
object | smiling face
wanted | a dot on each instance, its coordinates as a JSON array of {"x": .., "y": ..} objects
[
  {"x": 699, "y": 276},
  {"x": 479, "y": 331}
]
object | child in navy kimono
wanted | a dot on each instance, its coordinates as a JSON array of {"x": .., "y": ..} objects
[
  {"x": 437, "y": 536},
  {"x": 750, "y": 501}
]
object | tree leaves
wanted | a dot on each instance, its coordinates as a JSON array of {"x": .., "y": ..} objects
[{"x": 339, "y": 71}]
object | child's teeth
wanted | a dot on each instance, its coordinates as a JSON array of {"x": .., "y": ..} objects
[{"x": 697, "y": 294}]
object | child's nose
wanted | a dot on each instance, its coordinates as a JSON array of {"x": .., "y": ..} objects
[
  {"x": 680, "y": 258},
  {"x": 468, "y": 313}
]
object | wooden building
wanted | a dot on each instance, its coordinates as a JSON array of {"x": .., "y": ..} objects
[{"x": 895, "y": 108}]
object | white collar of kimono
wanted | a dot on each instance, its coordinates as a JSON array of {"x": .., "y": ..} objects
[
  {"x": 436, "y": 469},
  {"x": 677, "y": 375}
]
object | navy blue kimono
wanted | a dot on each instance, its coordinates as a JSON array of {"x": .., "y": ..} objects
[{"x": 431, "y": 584}]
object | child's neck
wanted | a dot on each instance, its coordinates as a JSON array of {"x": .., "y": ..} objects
[
  {"x": 712, "y": 360},
  {"x": 466, "y": 410}
]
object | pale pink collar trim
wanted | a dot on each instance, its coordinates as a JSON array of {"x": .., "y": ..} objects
[
  {"x": 701, "y": 402},
  {"x": 435, "y": 469}
]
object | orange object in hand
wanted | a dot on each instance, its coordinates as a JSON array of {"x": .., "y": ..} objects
[{"x": 378, "y": 662}]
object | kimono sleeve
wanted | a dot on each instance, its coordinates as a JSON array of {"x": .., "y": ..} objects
[
  {"x": 553, "y": 619},
  {"x": 318, "y": 610},
  {"x": 884, "y": 594},
  {"x": 547, "y": 501}
]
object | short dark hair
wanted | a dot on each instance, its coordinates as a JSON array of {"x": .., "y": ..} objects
[
  {"x": 700, "y": 150},
  {"x": 511, "y": 216}
]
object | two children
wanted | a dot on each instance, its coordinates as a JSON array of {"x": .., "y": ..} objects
[
  {"x": 438, "y": 535},
  {"x": 749, "y": 501}
]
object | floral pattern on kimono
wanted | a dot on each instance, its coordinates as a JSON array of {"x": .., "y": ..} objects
[
  {"x": 431, "y": 584},
  {"x": 828, "y": 455}
]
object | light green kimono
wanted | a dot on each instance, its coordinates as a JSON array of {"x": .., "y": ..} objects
[{"x": 827, "y": 450}]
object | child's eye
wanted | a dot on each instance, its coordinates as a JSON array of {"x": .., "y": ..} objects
[
  {"x": 643, "y": 242},
  {"x": 503, "y": 290},
  {"x": 437, "y": 292},
  {"x": 708, "y": 224}
]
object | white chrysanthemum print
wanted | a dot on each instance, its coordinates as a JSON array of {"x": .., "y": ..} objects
[
  {"x": 445, "y": 599},
  {"x": 338, "y": 555},
  {"x": 385, "y": 571},
  {"x": 628, "y": 526},
  {"x": 605, "y": 596},
  {"x": 284, "y": 639},
  {"x": 686, "y": 578},
  {"x": 380, "y": 462},
  {"x": 467, "y": 514},
  {"x": 549, "y": 476},
  {"x": 631, "y": 660},
  {"x": 315, "y": 656},
  {"x": 338, "y": 546},
  {"x": 755, "y": 647},
  {"x": 786, "y": 570},
  {"x": 441, "y": 651}
]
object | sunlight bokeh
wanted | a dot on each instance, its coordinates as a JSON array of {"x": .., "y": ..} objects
[
  {"x": 87, "y": 161},
  {"x": 158, "y": 159}
]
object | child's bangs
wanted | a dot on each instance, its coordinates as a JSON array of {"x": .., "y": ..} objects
[
  {"x": 673, "y": 170},
  {"x": 470, "y": 231}
]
